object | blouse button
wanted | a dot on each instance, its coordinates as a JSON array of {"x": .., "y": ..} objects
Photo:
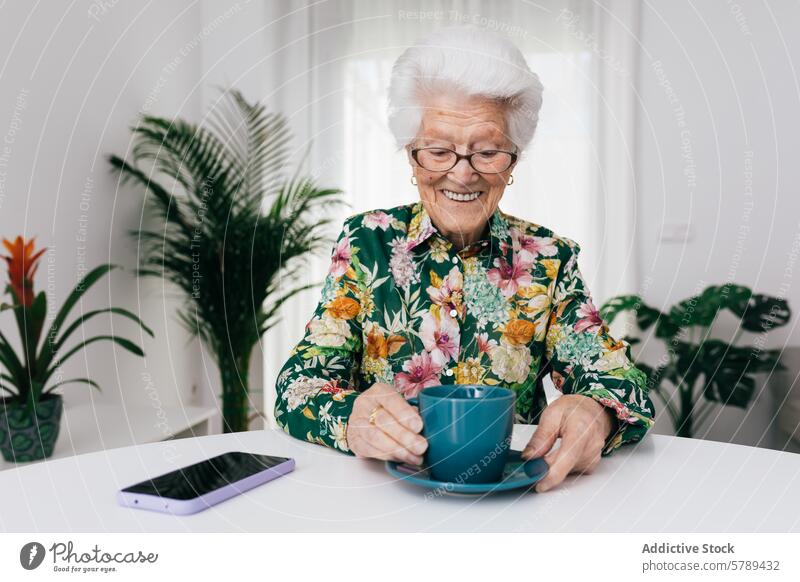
[
  {"x": 455, "y": 260},
  {"x": 453, "y": 313},
  {"x": 449, "y": 372}
]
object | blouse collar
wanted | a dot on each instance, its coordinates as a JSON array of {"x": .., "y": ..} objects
[{"x": 421, "y": 228}]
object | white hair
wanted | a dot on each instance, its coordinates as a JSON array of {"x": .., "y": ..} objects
[{"x": 473, "y": 61}]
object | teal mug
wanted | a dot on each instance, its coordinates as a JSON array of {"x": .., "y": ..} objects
[{"x": 468, "y": 428}]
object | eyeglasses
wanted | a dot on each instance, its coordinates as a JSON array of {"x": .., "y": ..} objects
[{"x": 437, "y": 159}]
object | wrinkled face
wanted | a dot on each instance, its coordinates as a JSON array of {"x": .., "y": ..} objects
[{"x": 461, "y": 201}]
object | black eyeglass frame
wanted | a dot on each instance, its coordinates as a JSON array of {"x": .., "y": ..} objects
[{"x": 468, "y": 157}]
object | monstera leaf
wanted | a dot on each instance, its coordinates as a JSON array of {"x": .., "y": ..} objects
[
  {"x": 667, "y": 328},
  {"x": 727, "y": 371},
  {"x": 645, "y": 316},
  {"x": 702, "y": 309},
  {"x": 693, "y": 311},
  {"x": 728, "y": 296},
  {"x": 763, "y": 313},
  {"x": 686, "y": 363}
]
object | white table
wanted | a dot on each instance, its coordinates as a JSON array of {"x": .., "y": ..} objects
[
  {"x": 664, "y": 484},
  {"x": 90, "y": 427}
]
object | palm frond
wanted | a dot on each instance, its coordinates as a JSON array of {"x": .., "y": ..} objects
[
  {"x": 217, "y": 239},
  {"x": 258, "y": 140},
  {"x": 166, "y": 203}
]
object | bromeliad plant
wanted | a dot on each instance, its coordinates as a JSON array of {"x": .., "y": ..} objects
[
  {"x": 704, "y": 371},
  {"x": 216, "y": 239},
  {"x": 29, "y": 378},
  {"x": 26, "y": 378}
]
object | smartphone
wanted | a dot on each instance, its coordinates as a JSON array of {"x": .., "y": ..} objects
[{"x": 199, "y": 486}]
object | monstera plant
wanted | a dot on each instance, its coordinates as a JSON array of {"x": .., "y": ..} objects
[
  {"x": 230, "y": 228},
  {"x": 30, "y": 412},
  {"x": 702, "y": 370}
]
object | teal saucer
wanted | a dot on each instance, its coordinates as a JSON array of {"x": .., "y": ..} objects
[{"x": 517, "y": 474}]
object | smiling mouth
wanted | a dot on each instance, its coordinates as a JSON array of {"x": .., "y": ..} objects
[{"x": 461, "y": 196}]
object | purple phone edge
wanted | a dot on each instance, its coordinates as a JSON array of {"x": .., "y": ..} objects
[{"x": 197, "y": 504}]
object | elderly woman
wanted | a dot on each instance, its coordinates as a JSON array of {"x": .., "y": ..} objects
[{"x": 452, "y": 290}]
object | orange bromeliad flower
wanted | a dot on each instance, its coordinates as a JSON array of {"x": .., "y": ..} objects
[{"x": 21, "y": 267}]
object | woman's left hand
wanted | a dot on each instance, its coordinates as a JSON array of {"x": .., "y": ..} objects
[{"x": 583, "y": 425}]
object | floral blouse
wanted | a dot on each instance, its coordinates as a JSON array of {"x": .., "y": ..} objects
[{"x": 400, "y": 306}]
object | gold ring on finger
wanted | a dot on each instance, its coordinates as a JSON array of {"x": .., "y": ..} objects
[{"x": 374, "y": 414}]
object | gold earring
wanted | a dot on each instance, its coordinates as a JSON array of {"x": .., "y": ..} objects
[
  {"x": 414, "y": 180},
  {"x": 511, "y": 179}
]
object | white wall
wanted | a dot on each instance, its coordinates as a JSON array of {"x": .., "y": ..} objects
[
  {"x": 73, "y": 79},
  {"x": 719, "y": 132}
]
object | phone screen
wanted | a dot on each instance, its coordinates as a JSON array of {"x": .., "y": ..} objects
[{"x": 206, "y": 476}]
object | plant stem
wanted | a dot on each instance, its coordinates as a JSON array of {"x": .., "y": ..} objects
[
  {"x": 704, "y": 412},
  {"x": 685, "y": 428},
  {"x": 235, "y": 401},
  {"x": 673, "y": 414}
]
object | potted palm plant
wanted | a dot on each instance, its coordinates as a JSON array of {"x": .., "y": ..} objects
[
  {"x": 231, "y": 228},
  {"x": 30, "y": 411},
  {"x": 704, "y": 371}
]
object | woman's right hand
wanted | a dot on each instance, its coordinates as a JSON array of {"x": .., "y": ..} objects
[{"x": 394, "y": 435}]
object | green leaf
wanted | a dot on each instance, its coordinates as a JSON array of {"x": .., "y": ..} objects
[
  {"x": 645, "y": 315},
  {"x": 666, "y": 328},
  {"x": 29, "y": 324},
  {"x": 694, "y": 311},
  {"x": 58, "y": 343},
  {"x": 34, "y": 322},
  {"x": 77, "y": 292},
  {"x": 727, "y": 371},
  {"x": 73, "y": 381},
  {"x": 122, "y": 342},
  {"x": 729, "y": 296},
  {"x": 765, "y": 361},
  {"x": 260, "y": 146},
  {"x": 687, "y": 364},
  {"x": 764, "y": 313},
  {"x": 619, "y": 304},
  {"x": 8, "y": 357},
  {"x": 701, "y": 310},
  {"x": 129, "y": 173},
  {"x": 775, "y": 356}
]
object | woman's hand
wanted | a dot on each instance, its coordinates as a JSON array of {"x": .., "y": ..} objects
[
  {"x": 394, "y": 434},
  {"x": 583, "y": 425}
]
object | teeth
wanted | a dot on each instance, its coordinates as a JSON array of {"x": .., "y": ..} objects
[{"x": 461, "y": 197}]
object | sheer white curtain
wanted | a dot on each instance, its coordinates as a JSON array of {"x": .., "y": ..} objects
[{"x": 326, "y": 64}]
